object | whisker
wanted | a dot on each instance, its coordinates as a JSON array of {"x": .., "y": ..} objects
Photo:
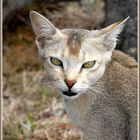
[
  {"x": 90, "y": 95},
  {"x": 100, "y": 92}
]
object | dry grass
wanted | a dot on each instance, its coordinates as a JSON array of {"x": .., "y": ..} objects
[{"x": 33, "y": 112}]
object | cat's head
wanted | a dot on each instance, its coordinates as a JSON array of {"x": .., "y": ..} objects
[{"x": 74, "y": 58}]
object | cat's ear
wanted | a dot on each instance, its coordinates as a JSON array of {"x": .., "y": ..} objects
[
  {"x": 41, "y": 25},
  {"x": 43, "y": 29},
  {"x": 108, "y": 36}
]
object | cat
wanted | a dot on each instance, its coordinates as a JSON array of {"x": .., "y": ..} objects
[{"x": 97, "y": 83}]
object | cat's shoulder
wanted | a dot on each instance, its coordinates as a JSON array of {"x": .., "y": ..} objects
[{"x": 123, "y": 59}]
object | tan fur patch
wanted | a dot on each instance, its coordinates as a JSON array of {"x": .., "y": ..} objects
[{"x": 74, "y": 43}]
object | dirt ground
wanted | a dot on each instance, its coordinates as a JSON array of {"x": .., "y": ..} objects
[{"x": 31, "y": 111}]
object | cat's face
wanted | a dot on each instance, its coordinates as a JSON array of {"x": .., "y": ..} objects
[
  {"x": 74, "y": 58},
  {"x": 72, "y": 68}
]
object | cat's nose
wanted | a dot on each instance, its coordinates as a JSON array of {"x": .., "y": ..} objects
[{"x": 70, "y": 83}]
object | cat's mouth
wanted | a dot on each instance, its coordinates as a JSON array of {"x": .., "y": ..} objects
[{"x": 69, "y": 93}]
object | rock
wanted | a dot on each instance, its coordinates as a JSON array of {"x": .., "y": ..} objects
[{"x": 120, "y": 9}]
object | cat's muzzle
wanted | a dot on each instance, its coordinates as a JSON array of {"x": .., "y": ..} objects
[{"x": 69, "y": 93}]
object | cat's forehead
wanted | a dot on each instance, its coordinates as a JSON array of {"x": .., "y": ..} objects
[
  {"x": 74, "y": 44},
  {"x": 75, "y": 38}
]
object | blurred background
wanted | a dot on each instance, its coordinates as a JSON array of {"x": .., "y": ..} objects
[{"x": 31, "y": 111}]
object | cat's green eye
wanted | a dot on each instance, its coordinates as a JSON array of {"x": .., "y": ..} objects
[
  {"x": 89, "y": 64},
  {"x": 56, "y": 61}
]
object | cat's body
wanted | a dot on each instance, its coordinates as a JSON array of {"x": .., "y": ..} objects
[
  {"x": 98, "y": 85},
  {"x": 112, "y": 114}
]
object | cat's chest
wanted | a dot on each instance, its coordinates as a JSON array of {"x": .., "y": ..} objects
[
  {"x": 77, "y": 111},
  {"x": 75, "y": 115}
]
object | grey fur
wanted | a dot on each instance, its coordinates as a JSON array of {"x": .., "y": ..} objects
[{"x": 112, "y": 114}]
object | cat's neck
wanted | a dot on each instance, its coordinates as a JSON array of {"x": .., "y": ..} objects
[{"x": 78, "y": 108}]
